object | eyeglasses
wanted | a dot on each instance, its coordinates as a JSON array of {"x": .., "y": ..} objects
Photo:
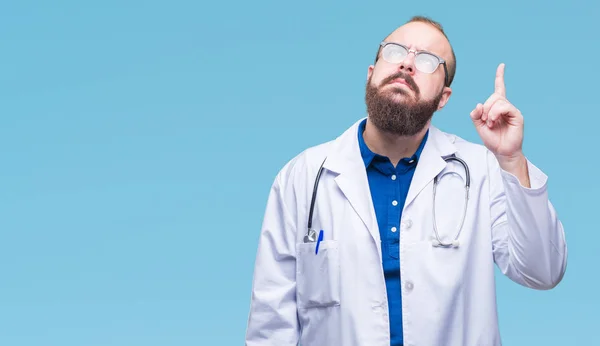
[{"x": 426, "y": 62}]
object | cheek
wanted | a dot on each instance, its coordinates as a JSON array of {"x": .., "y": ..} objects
[
  {"x": 380, "y": 74},
  {"x": 425, "y": 86},
  {"x": 376, "y": 78}
]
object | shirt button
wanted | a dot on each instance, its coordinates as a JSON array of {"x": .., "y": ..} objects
[
  {"x": 394, "y": 229},
  {"x": 394, "y": 203},
  {"x": 394, "y": 177}
]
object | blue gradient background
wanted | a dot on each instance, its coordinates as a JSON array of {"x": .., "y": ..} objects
[{"x": 139, "y": 140}]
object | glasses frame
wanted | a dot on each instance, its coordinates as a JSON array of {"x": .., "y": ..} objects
[{"x": 441, "y": 61}]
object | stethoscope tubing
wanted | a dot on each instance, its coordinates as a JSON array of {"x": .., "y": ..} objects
[{"x": 312, "y": 234}]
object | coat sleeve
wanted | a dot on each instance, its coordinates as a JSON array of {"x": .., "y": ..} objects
[
  {"x": 528, "y": 239},
  {"x": 273, "y": 318}
]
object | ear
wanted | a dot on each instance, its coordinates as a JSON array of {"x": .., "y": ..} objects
[
  {"x": 370, "y": 71},
  {"x": 445, "y": 97}
]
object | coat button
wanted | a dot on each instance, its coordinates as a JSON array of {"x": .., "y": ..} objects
[{"x": 409, "y": 286}]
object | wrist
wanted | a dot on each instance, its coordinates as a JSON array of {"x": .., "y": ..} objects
[
  {"x": 509, "y": 161},
  {"x": 516, "y": 165}
]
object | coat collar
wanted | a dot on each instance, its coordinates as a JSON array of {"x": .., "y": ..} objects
[
  {"x": 345, "y": 160},
  {"x": 368, "y": 155}
]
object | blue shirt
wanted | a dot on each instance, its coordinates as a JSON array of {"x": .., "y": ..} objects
[{"x": 389, "y": 187}]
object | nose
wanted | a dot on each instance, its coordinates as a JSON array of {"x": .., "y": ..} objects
[{"x": 408, "y": 64}]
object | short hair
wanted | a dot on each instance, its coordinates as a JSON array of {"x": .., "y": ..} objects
[{"x": 423, "y": 19}]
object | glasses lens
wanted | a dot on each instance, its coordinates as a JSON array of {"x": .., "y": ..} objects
[
  {"x": 393, "y": 53},
  {"x": 426, "y": 63}
]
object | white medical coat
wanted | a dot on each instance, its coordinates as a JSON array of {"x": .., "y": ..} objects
[{"x": 338, "y": 296}]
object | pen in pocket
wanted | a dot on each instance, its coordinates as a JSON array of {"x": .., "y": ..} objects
[{"x": 319, "y": 241}]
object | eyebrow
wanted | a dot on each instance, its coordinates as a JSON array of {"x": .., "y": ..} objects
[{"x": 418, "y": 49}]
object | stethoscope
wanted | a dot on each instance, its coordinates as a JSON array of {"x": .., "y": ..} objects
[{"x": 311, "y": 235}]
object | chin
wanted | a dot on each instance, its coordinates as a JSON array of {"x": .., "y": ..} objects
[{"x": 400, "y": 96}]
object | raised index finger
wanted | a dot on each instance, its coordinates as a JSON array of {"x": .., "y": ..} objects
[{"x": 499, "y": 88}]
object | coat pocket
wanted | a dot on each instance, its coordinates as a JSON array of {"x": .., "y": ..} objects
[{"x": 318, "y": 275}]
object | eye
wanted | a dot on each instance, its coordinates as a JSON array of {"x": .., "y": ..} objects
[
  {"x": 426, "y": 62},
  {"x": 393, "y": 53}
]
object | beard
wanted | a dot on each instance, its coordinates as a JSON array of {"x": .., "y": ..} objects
[{"x": 394, "y": 111}]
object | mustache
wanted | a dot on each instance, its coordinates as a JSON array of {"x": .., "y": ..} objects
[{"x": 408, "y": 79}]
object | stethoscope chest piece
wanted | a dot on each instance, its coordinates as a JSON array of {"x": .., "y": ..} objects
[{"x": 311, "y": 236}]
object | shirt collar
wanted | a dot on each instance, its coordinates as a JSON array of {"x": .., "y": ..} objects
[{"x": 368, "y": 155}]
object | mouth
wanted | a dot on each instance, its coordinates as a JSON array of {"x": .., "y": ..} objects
[{"x": 400, "y": 81}]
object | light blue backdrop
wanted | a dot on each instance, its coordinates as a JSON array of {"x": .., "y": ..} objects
[{"x": 139, "y": 140}]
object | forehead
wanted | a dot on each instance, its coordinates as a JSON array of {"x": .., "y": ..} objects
[{"x": 422, "y": 36}]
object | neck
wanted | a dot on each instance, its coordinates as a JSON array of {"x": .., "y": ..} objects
[{"x": 393, "y": 146}]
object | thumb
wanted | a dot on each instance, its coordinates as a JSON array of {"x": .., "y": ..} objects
[{"x": 476, "y": 114}]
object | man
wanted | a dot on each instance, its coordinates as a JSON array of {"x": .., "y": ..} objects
[{"x": 377, "y": 272}]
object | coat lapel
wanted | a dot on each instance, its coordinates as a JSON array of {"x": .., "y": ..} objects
[
  {"x": 345, "y": 160},
  {"x": 431, "y": 162}
]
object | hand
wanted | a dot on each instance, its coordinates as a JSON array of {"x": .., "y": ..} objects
[
  {"x": 500, "y": 126},
  {"x": 498, "y": 122}
]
